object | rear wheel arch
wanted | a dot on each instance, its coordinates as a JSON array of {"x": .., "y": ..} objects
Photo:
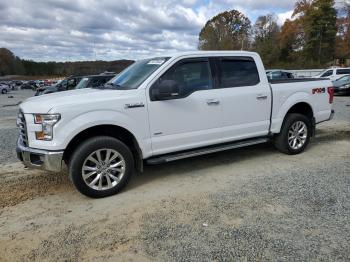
[
  {"x": 114, "y": 131},
  {"x": 305, "y": 109}
]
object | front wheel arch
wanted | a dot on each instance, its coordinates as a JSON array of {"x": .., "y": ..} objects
[{"x": 114, "y": 131}]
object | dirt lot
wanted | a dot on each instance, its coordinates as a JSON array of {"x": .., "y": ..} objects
[{"x": 246, "y": 204}]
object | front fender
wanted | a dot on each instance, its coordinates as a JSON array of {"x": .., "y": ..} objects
[{"x": 66, "y": 129}]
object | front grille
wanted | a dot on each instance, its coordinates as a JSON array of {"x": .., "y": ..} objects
[{"x": 21, "y": 123}]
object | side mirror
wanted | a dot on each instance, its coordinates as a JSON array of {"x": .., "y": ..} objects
[{"x": 166, "y": 90}]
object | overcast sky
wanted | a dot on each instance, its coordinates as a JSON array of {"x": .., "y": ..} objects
[{"x": 70, "y": 30}]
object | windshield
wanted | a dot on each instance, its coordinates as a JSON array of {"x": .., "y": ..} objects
[
  {"x": 325, "y": 73},
  {"x": 83, "y": 83},
  {"x": 134, "y": 75},
  {"x": 344, "y": 78}
]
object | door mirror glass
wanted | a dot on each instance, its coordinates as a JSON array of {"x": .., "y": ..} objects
[{"x": 166, "y": 89}]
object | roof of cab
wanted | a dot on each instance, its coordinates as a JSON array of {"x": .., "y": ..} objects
[{"x": 214, "y": 53}]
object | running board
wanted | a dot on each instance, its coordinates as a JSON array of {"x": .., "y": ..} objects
[{"x": 202, "y": 151}]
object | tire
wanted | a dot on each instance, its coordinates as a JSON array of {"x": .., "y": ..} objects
[
  {"x": 88, "y": 151},
  {"x": 293, "y": 124},
  {"x": 4, "y": 91}
]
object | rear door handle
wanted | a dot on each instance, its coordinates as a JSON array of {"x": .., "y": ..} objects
[
  {"x": 213, "y": 102},
  {"x": 261, "y": 97}
]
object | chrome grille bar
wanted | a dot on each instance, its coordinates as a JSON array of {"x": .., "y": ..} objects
[{"x": 21, "y": 123}]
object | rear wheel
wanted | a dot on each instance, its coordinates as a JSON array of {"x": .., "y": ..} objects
[
  {"x": 101, "y": 166},
  {"x": 295, "y": 134},
  {"x": 4, "y": 91}
]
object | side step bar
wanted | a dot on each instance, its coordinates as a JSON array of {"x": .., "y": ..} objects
[{"x": 202, "y": 151}]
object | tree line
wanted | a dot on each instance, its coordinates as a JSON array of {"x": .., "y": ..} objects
[
  {"x": 318, "y": 35},
  {"x": 13, "y": 65}
]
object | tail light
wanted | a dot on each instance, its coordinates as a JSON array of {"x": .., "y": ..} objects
[{"x": 330, "y": 91}]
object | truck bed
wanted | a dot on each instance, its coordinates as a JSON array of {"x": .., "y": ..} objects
[
  {"x": 286, "y": 93},
  {"x": 294, "y": 80}
]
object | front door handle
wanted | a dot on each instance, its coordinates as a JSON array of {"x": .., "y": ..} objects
[
  {"x": 261, "y": 97},
  {"x": 213, "y": 102}
]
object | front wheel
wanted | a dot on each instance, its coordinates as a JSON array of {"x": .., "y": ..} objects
[
  {"x": 4, "y": 91},
  {"x": 295, "y": 134},
  {"x": 101, "y": 166}
]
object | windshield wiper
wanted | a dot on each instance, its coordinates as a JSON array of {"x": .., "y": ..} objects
[
  {"x": 108, "y": 86},
  {"x": 112, "y": 84}
]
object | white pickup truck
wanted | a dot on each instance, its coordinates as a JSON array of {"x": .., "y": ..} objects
[{"x": 168, "y": 108}]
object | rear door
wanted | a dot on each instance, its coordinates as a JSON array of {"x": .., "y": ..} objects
[
  {"x": 246, "y": 100},
  {"x": 192, "y": 119}
]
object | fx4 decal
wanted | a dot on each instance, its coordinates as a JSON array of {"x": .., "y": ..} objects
[{"x": 318, "y": 90}]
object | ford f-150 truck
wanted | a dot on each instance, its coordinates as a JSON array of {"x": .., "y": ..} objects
[{"x": 168, "y": 108}]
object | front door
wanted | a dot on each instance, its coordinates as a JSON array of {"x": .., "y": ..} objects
[{"x": 192, "y": 118}]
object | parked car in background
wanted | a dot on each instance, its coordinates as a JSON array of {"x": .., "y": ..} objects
[
  {"x": 333, "y": 73},
  {"x": 342, "y": 85},
  {"x": 67, "y": 84},
  {"x": 16, "y": 84},
  {"x": 168, "y": 108},
  {"x": 94, "y": 81},
  {"x": 279, "y": 74},
  {"x": 4, "y": 88},
  {"x": 26, "y": 85}
]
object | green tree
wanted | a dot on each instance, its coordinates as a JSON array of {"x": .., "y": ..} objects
[
  {"x": 343, "y": 35},
  {"x": 318, "y": 19},
  {"x": 266, "y": 33},
  {"x": 9, "y": 63},
  {"x": 229, "y": 30}
]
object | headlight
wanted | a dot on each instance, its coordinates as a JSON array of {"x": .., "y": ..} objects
[
  {"x": 344, "y": 86},
  {"x": 47, "y": 123}
]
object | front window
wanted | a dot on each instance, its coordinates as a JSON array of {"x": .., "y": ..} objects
[
  {"x": 190, "y": 76},
  {"x": 83, "y": 83},
  {"x": 327, "y": 73},
  {"x": 134, "y": 75}
]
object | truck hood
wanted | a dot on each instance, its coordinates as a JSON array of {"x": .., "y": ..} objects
[{"x": 44, "y": 103}]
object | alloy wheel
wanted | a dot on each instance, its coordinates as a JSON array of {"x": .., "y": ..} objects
[
  {"x": 297, "y": 135},
  {"x": 103, "y": 169}
]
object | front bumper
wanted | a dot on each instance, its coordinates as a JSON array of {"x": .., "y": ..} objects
[{"x": 40, "y": 159}]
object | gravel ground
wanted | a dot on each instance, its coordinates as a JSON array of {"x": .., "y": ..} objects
[
  {"x": 8, "y": 130},
  {"x": 241, "y": 205}
]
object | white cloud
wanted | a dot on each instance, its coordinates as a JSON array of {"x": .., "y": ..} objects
[
  {"x": 282, "y": 17},
  {"x": 78, "y": 30}
]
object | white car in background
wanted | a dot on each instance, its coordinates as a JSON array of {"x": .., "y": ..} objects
[
  {"x": 334, "y": 73},
  {"x": 4, "y": 89}
]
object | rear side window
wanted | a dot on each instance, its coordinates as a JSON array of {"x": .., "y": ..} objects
[
  {"x": 343, "y": 71},
  {"x": 237, "y": 71}
]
